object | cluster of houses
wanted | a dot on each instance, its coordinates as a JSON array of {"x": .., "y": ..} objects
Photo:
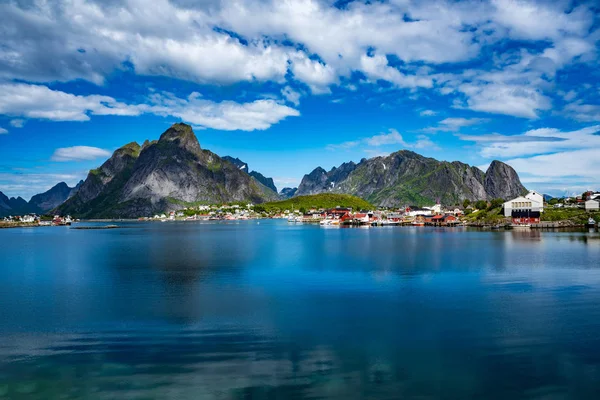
[
  {"x": 208, "y": 213},
  {"x": 35, "y": 219},
  {"x": 420, "y": 216}
]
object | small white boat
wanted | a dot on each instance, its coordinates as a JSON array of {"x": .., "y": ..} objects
[
  {"x": 591, "y": 223},
  {"x": 521, "y": 226}
]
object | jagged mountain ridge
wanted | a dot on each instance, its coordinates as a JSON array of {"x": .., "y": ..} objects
[
  {"x": 405, "y": 177},
  {"x": 39, "y": 203},
  {"x": 268, "y": 182},
  {"x": 162, "y": 175},
  {"x": 54, "y": 197}
]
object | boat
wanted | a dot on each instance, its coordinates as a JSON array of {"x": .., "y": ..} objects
[
  {"x": 521, "y": 226},
  {"x": 591, "y": 223}
]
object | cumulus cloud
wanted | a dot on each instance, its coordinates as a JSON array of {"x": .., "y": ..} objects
[
  {"x": 393, "y": 137},
  {"x": 3, "y": 131},
  {"x": 41, "y": 102},
  {"x": 516, "y": 100},
  {"x": 79, "y": 153},
  {"x": 427, "y": 113},
  {"x": 226, "y": 115},
  {"x": 408, "y": 43}
]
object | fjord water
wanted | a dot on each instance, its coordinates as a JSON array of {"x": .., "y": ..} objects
[{"x": 267, "y": 310}]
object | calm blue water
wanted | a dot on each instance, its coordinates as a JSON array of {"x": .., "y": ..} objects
[{"x": 277, "y": 311}]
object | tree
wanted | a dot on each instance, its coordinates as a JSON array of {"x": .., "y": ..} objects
[
  {"x": 481, "y": 205},
  {"x": 466, "y": 203},
  {"x": 496, "y": 203}
]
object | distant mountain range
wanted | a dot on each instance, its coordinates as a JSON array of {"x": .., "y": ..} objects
[
  {"x": 287, "y": 192},
  {"x": 40, "y": 203},
  {"x": 174, "y": 171},
  {"x": 406, "y": 177}
]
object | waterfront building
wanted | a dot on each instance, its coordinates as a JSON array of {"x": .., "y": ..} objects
[
  {"x": 592, "y": 205},
  {"x": 525, "y": 209}
]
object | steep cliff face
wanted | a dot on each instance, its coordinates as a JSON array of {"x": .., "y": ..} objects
[
  {"x": 406, "y": 177},
  {"x": 160, "y": 176},
  {"x": 501, "y": 181}
]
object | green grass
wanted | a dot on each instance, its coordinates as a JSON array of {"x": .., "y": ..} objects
[
  {"x": 487, "y": 216},
  {"x": 323, "y": 200},
  {"x": 576, "y": 215}
]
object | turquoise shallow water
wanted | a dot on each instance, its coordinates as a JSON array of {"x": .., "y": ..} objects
[{"x": 269, "y": 310}]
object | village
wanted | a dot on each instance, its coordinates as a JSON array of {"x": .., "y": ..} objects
[{"x": 522, "y": 212}]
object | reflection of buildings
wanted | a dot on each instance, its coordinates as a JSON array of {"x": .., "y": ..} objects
[{"x": 525, "y": 209}]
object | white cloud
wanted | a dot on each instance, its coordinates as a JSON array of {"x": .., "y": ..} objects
[
  {"x": 309, "y": 41},
  {"x": 17, "y": 123},
  {"x": 27, "y": 183},
  {"x": 564, "y": 170},
  {"x": 393, "y": 137},
  {"x": 79, "y": 153},
  {"x": 226, "y": 115},
  {"x": 428, "y": 113},
  {"x": 454, "y": 124},
  {"x": 377, "y": 68},
  {"x": 36, "y": 101},
  {"x": 3, "y": 131},
  {"x": 316, "y": 75},
  {"x": 541, "y": 20},
  {"x": 536, "y": 141},
  {"x": 516, "y": 100},
  {"x": 372, "y": 145},
  {"x": 583, "y": 112},
  {"x": 291, "y": 95}
]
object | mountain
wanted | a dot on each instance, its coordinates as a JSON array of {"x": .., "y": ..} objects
[
  {"x": 406, "y": 177},
  {"x": 237, "y": 162},
  {"x": 54, "y": 197},
  {"x": 287, "y": 192},
  {"x": 14, "y": 206},
  {"x": 160, "y": 176},
  {"x": 268, "y": 182}
]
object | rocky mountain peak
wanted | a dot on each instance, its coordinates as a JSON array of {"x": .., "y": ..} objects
[
  {"x": 502, "y": 181},
  {"x": 182, "y": 135}
]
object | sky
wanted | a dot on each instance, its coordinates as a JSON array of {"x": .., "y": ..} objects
[{"x": 289, "y": 85}]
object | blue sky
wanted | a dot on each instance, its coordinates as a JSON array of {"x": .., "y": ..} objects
[{"x": 289, "y": 85}]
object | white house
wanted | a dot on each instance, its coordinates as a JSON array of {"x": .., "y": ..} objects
[
  {"x": 436, "y": 209},
  {"x": 592, "y": 205},
  {"x": 531, "y": 202}
]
